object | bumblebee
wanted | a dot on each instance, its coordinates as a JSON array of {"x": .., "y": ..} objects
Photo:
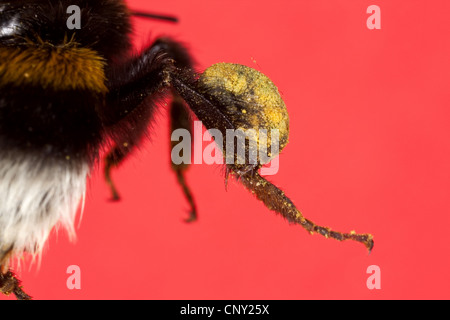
[{"x": 67, "y": 95}]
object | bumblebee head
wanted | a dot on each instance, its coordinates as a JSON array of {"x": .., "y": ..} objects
[{"x": 100, "y": 25}]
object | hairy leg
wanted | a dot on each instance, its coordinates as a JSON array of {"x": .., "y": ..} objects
[
  {"x": 179, "y": 119},
  {"x": 132, "y": 87},
  {"x": 276, "y": 200},
  {"x": 157, "y": 69}
]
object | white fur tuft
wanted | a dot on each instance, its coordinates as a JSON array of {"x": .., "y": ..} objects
[{"x": 35, "y": 196}]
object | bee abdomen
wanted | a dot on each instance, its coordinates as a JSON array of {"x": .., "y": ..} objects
[{"x": 36, "y": 194}]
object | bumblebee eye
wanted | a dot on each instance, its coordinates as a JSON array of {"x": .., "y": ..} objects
[{"x": 252, "y": 103}]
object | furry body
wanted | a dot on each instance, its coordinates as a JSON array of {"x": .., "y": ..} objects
[
  {"x": 67, "y": 94},
  {"x": 35, "y": 195},
  {"x": 53, "y": 102}
]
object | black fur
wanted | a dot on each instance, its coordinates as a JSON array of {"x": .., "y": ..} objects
[
  {"x": 53, "y": 124},
  {"x": 105, "y": 24},
  {"x": 76, "y": 123}
]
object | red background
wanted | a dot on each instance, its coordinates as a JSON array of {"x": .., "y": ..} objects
[{"x": 369, "y": 150}]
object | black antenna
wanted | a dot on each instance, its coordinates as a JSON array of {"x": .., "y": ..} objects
[{"x": 153, "y": 16}]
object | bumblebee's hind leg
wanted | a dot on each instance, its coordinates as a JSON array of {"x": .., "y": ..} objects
[{"x": 179, "y": 119}]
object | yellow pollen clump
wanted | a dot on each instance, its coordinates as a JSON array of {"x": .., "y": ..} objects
[{"x": 246, "y": 89}]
